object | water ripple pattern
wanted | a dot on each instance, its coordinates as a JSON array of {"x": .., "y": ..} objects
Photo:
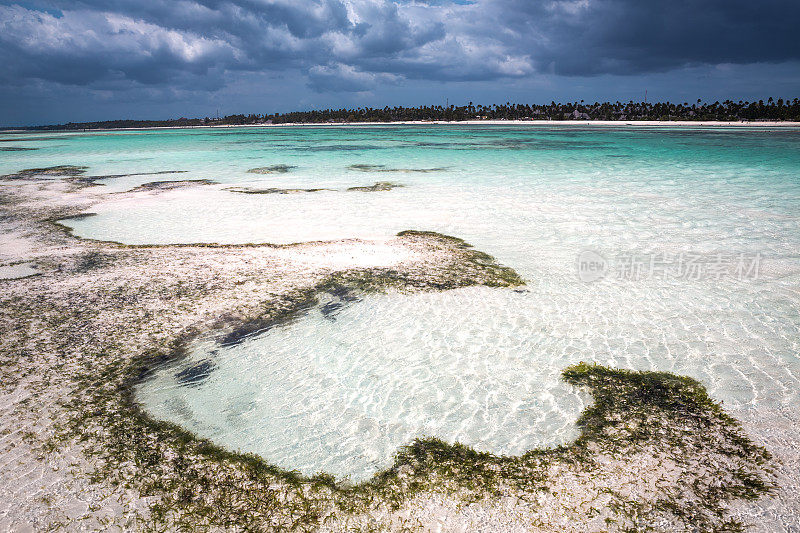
[{"x": 341, "y": 388}]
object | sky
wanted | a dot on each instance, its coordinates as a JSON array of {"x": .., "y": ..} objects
[{"x": 83, "y": 60}]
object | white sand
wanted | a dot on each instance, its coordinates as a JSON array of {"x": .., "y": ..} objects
[{"x": 146, "y": 297}]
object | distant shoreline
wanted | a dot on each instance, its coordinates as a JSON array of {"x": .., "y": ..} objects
[
  {"x": 550, "y": 122},
  {"x": 607, "y": 123}
]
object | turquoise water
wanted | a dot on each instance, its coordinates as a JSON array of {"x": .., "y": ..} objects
[{"x": 710, "y": 218}]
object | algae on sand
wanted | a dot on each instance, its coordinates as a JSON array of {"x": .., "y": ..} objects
[
  {"x": 273, "y": 169},
  {"x": 376, "y": 187}
]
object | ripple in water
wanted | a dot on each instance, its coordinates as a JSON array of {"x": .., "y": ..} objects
[
  {"x": 340, "y": 389},
  {"x": 343, "y": 387}
]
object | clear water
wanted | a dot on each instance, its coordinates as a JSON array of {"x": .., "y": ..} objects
[
  {"x": 340, "y": 392},
  {"x": 18, "y": 270}
]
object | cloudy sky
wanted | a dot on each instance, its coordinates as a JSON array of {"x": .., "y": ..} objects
[{"x": 78, "y": 60}]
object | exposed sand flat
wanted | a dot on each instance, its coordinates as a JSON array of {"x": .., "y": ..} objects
[
  {"x": 175, "y": 290},
  {"x": 74, "y": 454}
]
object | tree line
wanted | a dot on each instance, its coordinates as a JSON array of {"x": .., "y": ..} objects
[{"x": 777, "y": 110}]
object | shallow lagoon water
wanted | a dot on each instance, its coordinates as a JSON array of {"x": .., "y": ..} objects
[
  {"x": 18, "y": 270},
  {"x": 339, "y": 389}
]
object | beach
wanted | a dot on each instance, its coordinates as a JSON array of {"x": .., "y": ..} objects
[{"x": 536, "y": 123}]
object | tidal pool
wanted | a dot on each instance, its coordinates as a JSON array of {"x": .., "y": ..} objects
[
  {"x": 18, "y": 270},
  {"x": 341, "y": 388}
]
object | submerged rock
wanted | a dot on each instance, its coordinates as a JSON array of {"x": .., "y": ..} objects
[
  {"x": 271, "y": 190},
  {"x": 156, "y": 173},
  {"x": 340, "y": 296},
  {"x": 76, "y": 173},
  {"x": 170, "y": 184},
  {"x": 330, "y": 309},
  {"x": 378, "y": 186},
  {"x": 274, "y": 169},
  {"x": 56, "y": 171},
  {"x": 195, "y": 375},
  {"x": 79, "y": 216},
  {"x": 382, "y": 168},
  {"x": 367, "y": 168}
]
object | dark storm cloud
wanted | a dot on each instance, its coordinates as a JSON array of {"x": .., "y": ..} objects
[
  {"x": 354, "y": 45},
  {"x": 586, "y": 37}
]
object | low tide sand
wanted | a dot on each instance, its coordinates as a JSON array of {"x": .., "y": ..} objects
[{"x": 95, "y": 305}]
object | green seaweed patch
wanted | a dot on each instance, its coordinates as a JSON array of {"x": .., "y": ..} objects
[
  {"x": 271, "y": 190},
  {"x": 91, "y": 180},
  {"x": 79, "y": 216},
  {"x": 260, "y": 325},
  {"x": 93, "y": 260},
  {"x": 718, "y": 463},
  {"x": 361, "y": 167},
  {"x": 15, "y": 149},
  {"x": 376, "y": 187},
  {"x": 196, "y": 484},
  {"x": 170, "y": 184},
  {"x": 632, "y": 412},
  {"x": 485, "y": 267},
  {"x": 366, "y": 168},
  {"x": 76, "y": 174},
  {"x": 273, "y": 169},
  {"x": 56, "y": 171}
]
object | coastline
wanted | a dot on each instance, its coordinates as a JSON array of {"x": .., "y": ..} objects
[
  {"x": 685, "y": 123},
  {"x": 531, "y": 123}
]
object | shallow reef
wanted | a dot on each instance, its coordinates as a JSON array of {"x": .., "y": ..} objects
[
  {"x": 274, "y": 169},
  {"x": 271, "y": 190},
  {"x": 76, "y": 174},
  {"x": 382, "y": 168},
  {"x": 656, "y": 431},
  {"x": 377, "y": 187},
  {"x": 170, "y": 184},
  {"x": 58, "y": 171}
]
